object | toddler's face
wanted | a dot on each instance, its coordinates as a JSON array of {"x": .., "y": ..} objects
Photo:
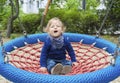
[{"x": 55, "y": 29}]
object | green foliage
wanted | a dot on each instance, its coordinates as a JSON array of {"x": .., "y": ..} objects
[
  {"x": 114, "y": 15},
  {"x": 89, "y": 22},
  {"x": 72, "y": 20},
  {"x": 4, "y": 17},
  {"x": 29, "y": 21},
  {"x": 76, "y": 20},
  {"x": 15, "y": 35},
  {"x": 2, "y": 3},
  {"x": 72, "y": 4}
]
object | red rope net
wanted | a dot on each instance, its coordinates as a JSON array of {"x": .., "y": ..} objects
[{"x": 89, "y": 58}]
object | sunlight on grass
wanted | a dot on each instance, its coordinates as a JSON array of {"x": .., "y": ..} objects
[{"x": 111, "y": 38}]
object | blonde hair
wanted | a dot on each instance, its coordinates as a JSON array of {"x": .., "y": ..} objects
[{"x": 46, "y": 29}]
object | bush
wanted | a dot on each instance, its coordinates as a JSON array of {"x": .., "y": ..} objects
[
  {"x": 4, "y": 18},
  {"x": 75, "y": 21},
  {"x": 29, "y": 21}
]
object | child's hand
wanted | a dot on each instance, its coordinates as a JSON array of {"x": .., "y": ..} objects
[
  {"x": 43, "y": 69},
  {"x": 74, "y": 64}
]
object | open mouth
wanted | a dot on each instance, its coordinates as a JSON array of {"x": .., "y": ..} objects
[{"x": 55, "y": 31}]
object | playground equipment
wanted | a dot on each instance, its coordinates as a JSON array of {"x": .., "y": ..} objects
[
  {"x": 94, "y": 62},
  {"x": 98, "y": 59}
]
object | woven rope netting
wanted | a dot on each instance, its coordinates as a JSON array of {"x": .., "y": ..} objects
[{"x": 89, "y": 58}]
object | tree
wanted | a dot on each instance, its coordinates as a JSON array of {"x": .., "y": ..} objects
[
  {"x": 2, "y": 3},
  {"x": 13, "y": 16},
  {"x": 114, "y": 16}
]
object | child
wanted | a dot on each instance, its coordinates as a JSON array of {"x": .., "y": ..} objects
[{"x": 53, "y": 54}]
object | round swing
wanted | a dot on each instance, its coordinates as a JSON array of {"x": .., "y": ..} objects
[
  {"x": 93, "y": 56},
  {"x": 98, "y": 59}
]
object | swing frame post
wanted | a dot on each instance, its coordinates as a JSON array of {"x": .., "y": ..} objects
[{"x": 45, "y": 13}]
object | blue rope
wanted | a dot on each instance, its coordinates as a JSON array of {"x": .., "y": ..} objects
[{"x": 17, "y": 75}]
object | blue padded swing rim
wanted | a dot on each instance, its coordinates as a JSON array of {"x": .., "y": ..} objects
[{"x": 17, "y": 75}]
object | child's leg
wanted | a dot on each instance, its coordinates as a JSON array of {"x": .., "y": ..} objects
[
  {"x": 50, "y": 64},
  {"x": 54, "y": 67},
  {"x": 66, "y": 62}
]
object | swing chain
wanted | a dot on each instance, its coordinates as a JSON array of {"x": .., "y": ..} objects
[
  {"x": 97, "y": 34},
  {"x": 21, "y": 25},
  {"x": 116, "y": 53},
  {"x": 104, "y": 19},
  {"x": 6, "y": 58},
  {"x": 23, "y": 28}
]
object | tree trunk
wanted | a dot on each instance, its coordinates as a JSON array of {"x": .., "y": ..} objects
[
  {"x": 12, "y": 16},
  {"x": 44, "y": 14}
]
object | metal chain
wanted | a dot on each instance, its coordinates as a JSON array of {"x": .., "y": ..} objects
[
  {"x": 23, "y": 28},
  {"x": 103, "y": 22},
  {"x": 117, "y": 50},
  {"x": 21, "y": 25},
  {"x": 6, "y": 58},
  {"x": 116, "y": 53}
]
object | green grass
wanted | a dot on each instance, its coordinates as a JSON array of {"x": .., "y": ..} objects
[
  {"x": 15, "y": 35},
  {"x": 111, "y": 38}
]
